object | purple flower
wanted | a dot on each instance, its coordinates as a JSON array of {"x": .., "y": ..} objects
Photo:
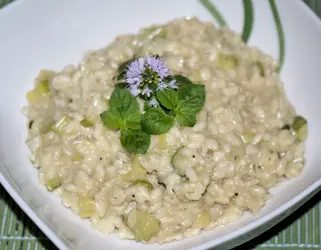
[
  {"x": 144, "y": 71},
  {"x": 147, "y": 91},
  {"x": 134, "y": 90},
  {"x": 153, "y": 103},
  {"x": 135, "y": 70},
  {"x": 162, "y": 86},
  {"x": 158, "y": 66}
]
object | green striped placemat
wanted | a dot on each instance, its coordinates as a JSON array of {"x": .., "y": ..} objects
[{"x": 300, "y": 231}]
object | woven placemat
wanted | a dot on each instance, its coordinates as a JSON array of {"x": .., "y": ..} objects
[{"x": 300, "y": 231}]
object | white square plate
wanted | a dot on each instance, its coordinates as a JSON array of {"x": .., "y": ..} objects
[{"x": 38, "y": 34}]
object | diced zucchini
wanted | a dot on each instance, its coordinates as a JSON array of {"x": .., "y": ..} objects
[
  {"x": 86, "y": 123},
  {"x": 136, "y": 173},
  {"x": 227, "y": 61},
  {"x": 247, "y": 136},
  {"x": 77, "y": 158},
  {"x": 45, "y": 74},
  {"x": 53, "y": 183},
  {"x": 300, "y": 127},
  {"x": 143, "y": 225},
  {"x": 153, "y": 32},
  {"x": 203, "y": 220},
  {"x": 148, "y": 185},
  {"x": 46, "y": 125},
  {"x": 86, "y": 206},
  {"x": 162, "y": 143},
  {"x": 41, "y": 89},
  {"x": 59, "y": 126}
]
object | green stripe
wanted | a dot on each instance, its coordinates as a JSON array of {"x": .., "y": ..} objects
[
  {"x": 248, "y": 19},
  {"x": 310, "y": 227},
  {"x": 280, "y": 32},
  {"x": 317, "y": 224},
  {"x": 303, "y": 229},
  {"x": 214, "y": 11}
]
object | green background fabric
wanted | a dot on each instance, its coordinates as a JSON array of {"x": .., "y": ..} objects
[{"x": 300, "y": 231}]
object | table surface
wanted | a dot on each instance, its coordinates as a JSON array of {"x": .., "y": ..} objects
[{"x": 299, "y": 231}]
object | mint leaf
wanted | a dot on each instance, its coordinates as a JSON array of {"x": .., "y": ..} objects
[
  {"x": 156, "y": 122},
  {"x": 146, "y": 106},
  {"x": 121, "y": 85},
  {"x": 168, "y": 98},
  {"x": 193, "y": 95},
  {"x": 186, "y": 116},
  {"x": 182, "y": 80},
  {"x": 135, "y": 141},
  {"x": 124, "y": 101},
  {"x": 133, "y": 121},
  {"x": 112, "y": 119}
]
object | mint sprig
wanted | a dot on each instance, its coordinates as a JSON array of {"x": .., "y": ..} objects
[{"x": 169, "y": 99}]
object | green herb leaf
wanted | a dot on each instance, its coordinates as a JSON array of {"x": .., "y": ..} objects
[
  {"x": 124, "y": 101},
  {"x": 133, "y": 121},
  {"x": 155, "y": 121},
  {"x": 168, "y": 98},
  {"x": 135, "y": 141},
  {"x": 185, "y": 116},
  {"x": 121, "y": 85},
  {"x": 112, "y": 119},
  {"x": 193, "y": 95},
  {"x": 182, "y": 80},
  {"x": 146, "y": 106}
]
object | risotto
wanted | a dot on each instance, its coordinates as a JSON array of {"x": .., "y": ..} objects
[{"x": 244, "y": 140}]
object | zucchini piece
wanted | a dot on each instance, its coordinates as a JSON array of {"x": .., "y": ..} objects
[
  {"x": 300, "y": 127},
  {"x": 143, "y": 225}
]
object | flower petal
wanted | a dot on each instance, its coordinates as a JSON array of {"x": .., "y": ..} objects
[
  {"x": 172, "y": 84},
  {"x": 162, "y": 86},
  {"x": 134, "y": 90},
  {"x": 153, "y": 103},
  {"x": 147, "y": 91}
]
